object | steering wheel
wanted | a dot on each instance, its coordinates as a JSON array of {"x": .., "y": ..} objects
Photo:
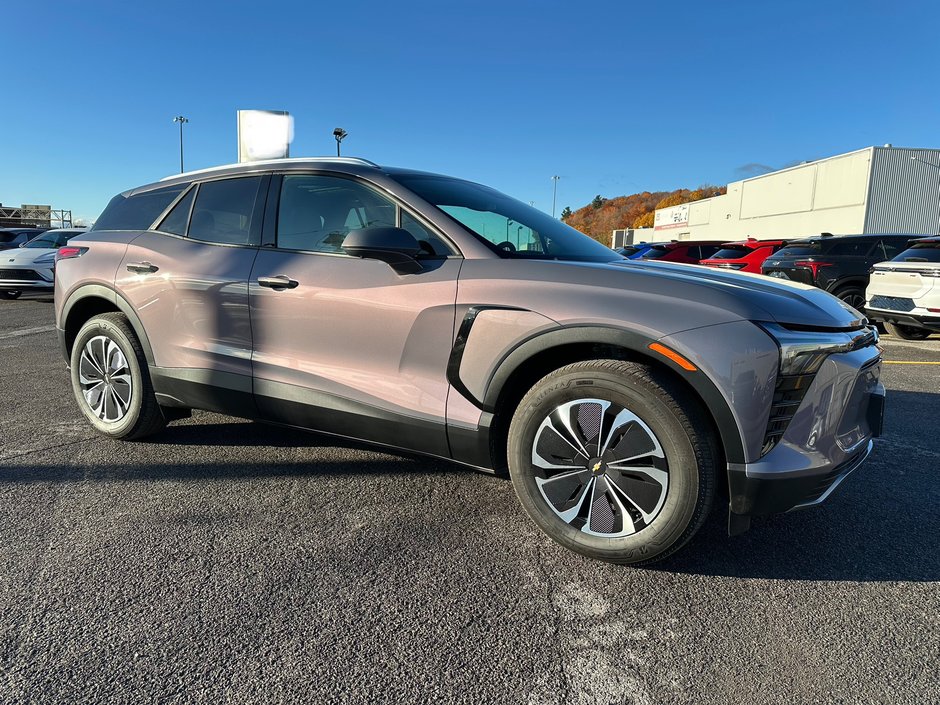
[{"x": 506, "y": 245}]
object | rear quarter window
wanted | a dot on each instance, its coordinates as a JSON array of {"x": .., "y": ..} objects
[
  {"x": 801, "y": 250},
  {"x": 730, "y": 253},
  {"x": 137, "y": 212}
]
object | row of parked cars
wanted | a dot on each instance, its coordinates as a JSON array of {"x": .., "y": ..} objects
[
  {"x": 895, "y": 279},
  {"x": 27, "y": 258}
]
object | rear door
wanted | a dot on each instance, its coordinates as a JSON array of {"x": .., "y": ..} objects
[
  {"x": 347, "y": 345},
  {"x": 187, "y": 279}
]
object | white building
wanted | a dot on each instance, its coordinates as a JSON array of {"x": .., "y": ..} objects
[{"x": 874, "y": 190}]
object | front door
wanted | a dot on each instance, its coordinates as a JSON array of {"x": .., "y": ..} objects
[{"x": 346, "y": 345}]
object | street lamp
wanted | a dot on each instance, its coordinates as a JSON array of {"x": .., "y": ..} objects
[
  {"x": 340, "y": 134},
  {"x": 180, "y": 119},
  {"x": 915, "y": 159},
  {"x": 554, "y": 192}
]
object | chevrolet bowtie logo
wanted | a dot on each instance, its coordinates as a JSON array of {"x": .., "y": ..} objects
[{"x": 597, "y": 466}]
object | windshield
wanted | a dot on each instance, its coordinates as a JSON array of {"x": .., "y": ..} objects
[
  {"x": 506, "y": 225},
  {"x": 921, "y": 252},
  {"x": 50, "y": 241}
]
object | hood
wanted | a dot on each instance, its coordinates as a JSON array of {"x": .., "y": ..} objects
[
  {"x": 750, "y": 296},
  {"x": 25, "y": 255}
]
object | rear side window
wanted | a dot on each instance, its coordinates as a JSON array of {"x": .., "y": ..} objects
[
  {"x": 704, "y": 251},
  {"x": 222, "y": 212},
  {"x": 178, "y": 218},
  {"x": 921, "y": 252},
  {"x": 138, "y": 211}
]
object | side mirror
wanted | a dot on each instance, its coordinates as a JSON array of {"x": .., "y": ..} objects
[{"x": 394, "y": 246}]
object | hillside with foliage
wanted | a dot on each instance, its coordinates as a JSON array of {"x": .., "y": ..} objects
[{"x": 602, "y": 215}]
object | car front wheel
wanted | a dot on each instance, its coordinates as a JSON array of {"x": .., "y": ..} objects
[
  {"x": 614, "y": 460},
  {"x": 110, "y": 379},
  {"x": 10, "y": 294}
]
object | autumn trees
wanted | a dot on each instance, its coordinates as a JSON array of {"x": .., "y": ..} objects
[{"x": 602, "y": 215}]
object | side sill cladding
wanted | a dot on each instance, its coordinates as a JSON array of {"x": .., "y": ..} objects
[{"x": 703, "y": 386}]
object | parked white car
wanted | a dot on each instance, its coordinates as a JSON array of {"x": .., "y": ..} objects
[
  {"x": 31, "y": 266},
  {"x": 904, "y": 293}
]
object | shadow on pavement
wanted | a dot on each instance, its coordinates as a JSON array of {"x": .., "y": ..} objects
[{"x": 882, "y": 525}]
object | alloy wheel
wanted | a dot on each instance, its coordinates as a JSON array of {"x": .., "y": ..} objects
[
  {"x": 600, "y": 468},
  {"x": 105, "y": 379}
]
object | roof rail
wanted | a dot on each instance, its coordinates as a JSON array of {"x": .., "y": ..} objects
[{"x": 273, "y": 162}]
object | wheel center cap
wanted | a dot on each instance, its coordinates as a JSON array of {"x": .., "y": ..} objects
[{"x": 597, "y": 466}]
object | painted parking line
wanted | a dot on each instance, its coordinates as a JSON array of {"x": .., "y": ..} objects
[
  {"x": 908, "y": 362},
  {"x": 26, "y": 331}
]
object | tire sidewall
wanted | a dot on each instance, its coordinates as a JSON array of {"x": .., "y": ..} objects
[
  {"x": 93, "y": 328},
  {"x": 682, "y": 493}
]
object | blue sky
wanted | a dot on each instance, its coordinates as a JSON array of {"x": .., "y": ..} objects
[{"x": 615, "y": 97}]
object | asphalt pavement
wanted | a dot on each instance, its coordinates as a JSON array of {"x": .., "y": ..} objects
[{"x": 225, "y": 561}]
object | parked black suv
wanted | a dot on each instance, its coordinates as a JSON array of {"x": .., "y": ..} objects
[{"x": 839, "y": 264}]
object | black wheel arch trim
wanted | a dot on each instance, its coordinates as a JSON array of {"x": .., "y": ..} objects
[
  {"x": 103, "y": 291},
  {"x": 703, "y": 386}
]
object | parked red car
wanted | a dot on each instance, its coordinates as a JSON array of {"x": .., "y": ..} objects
[
  {"x": 745, "y": 255},
  {"x": 688, "y": 252}
]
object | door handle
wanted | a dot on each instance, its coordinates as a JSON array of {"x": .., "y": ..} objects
[
  {"x": 142, "y": 268},
  {"x": 281, "y": 281}
]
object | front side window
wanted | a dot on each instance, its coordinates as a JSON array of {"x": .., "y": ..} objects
[
  {"x": 315, "y": 213},
  {"x": 506, "y": 225},
  {"x": 222, "y": 212},
  {"x": 850, "y": 248}
]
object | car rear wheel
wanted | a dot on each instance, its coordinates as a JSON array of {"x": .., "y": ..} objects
[
  {"x": 907, "y": 332},
  {"x": 10, "y": 294},
  {"x": 613, "y": 460},
  {"x": 110, "y": 379}
]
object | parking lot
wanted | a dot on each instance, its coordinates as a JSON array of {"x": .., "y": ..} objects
[{"x": 227, "y": 561}]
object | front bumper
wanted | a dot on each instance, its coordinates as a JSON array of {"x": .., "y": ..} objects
[
  {"x": 829, "y": 436},
  {"x": 26, "y": 278}
]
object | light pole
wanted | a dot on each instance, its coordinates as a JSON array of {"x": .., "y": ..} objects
[
  {"x": 915, "y": 159},
  {"x": 554, "y": 192},
  {"x": 339, "y": 134},
  {"x": 180, "y": 119}
]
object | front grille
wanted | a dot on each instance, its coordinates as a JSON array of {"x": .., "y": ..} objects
[
  {"x": 788, "y": 395},
  {"x": 20, "y": 274},
  {"x": 892, "y": 303}
]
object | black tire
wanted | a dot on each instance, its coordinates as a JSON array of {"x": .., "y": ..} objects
[
  {"x": 10, "y": 294},
  {"x": 907, "y": 332},
  {"x": 143, "y": 416},
  {"x": 681, "y": 432},
  {"x": 853, "y": 296}
]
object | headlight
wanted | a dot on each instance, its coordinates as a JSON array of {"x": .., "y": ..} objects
[{"x": 802, "y": 353}]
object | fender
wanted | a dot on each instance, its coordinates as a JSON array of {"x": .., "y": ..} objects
[
  {"x": 106, "y": 292},
  {"x": 853, "y": 280},
  {"x": 704, "y": 387}
]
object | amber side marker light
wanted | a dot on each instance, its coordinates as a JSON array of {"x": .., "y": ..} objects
[{"x": 674, "y": 356}]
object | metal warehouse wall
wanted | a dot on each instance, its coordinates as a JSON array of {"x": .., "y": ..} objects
[
  {"x": 905, "y": 193},
  {"x": 876, "y": 190}
]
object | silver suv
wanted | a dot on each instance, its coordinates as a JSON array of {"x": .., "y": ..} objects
[{"x": 438, "y": 316}]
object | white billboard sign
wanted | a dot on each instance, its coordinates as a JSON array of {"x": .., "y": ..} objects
[
  {"x": 264, "y": 134},
  {"x": 674, "y": 217}
]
